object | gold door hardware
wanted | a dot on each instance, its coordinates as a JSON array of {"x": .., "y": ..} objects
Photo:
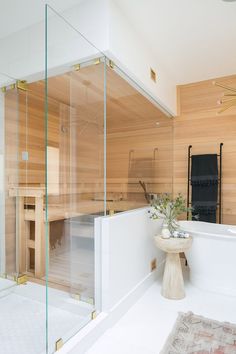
[
  {"x": 59, "y": 344},
  {"x": 76, "y": 67},
  {"x": 21, "y": 279},
  {"x": 111, "y": 64},
  {"x": 97, "y": 61},
  {"x": 6, "y": 88},
  {"x": 93, "y": 315},
  {"x": 22, "y": 85}
]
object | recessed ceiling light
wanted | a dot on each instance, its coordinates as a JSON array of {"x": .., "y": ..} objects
[{"x": 157, "y": 123}]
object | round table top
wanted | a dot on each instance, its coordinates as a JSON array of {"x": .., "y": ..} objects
[{"x": 173, "y": 244}]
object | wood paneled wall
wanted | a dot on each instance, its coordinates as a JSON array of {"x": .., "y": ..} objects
[
  {"x": 199, "y": 124},
  {"x": 139, "y": 154},
  {"x": 139, "y": 144}
]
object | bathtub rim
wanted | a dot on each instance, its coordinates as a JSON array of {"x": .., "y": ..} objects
[{"x": 209, "y": 234}]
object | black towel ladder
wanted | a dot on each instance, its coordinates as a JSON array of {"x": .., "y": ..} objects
[{"x": 219, "y": 181}]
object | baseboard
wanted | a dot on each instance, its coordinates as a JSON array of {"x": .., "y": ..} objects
[{"x": 83, "y": 340}]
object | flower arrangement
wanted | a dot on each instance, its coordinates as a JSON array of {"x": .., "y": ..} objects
[{"x": 168, "y": 208}]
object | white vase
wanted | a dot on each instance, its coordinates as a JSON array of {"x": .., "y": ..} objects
[{"x": 165, "y": 232}]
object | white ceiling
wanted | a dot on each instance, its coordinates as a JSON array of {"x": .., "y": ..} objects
[
  {"x": 18, "y": 14},
  {"x": 194, "y": 39}
]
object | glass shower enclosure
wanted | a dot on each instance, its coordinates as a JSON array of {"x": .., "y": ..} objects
[
  {"x": 79, "y": 140},
  {"x": 52, "y": 184}
]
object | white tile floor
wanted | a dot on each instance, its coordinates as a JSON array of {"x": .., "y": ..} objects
[
  {"x": 23, "y": 318},
  {"x": 145, "y": 327}
]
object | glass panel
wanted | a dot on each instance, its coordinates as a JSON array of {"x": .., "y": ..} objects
[
  {"x": 75, "y": 175},
  {"x": 9, "y": 184},
  {"x": 139, "y": 144},
  {"x": 2, "y": 191},
  {"x": 22, "y": 58}
]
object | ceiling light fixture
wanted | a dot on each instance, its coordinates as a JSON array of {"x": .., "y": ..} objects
[{"x": 230, "y": 99}]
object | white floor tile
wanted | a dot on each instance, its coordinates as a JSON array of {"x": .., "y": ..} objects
[{"x": 145, "y": 327}]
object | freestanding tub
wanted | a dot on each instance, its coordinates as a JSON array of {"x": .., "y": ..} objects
[{"x": 212, "y": 257}]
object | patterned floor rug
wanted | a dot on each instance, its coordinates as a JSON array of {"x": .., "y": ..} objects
[{"x": 194, "y": 334}]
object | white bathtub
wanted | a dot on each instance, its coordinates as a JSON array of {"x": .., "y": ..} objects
[{"x": 212, "y": 257}]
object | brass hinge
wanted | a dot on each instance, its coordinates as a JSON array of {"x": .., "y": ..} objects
[
  {"x": 8, "y": 88},
  {"x": 97, "y": 61},
  {"x": 93, "y": 315},
  {"x": 76, "y": 67},
  {"x": 59, "y": 344},
  {"x": 22, "y": 85},
  {"x": 21, "y": 279},
  {"x": 111, "y": 64}
]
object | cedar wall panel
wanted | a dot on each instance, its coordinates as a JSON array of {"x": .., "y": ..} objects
[
  {"x": 199, "y": 124},
  {"x": 131, "y": 157}
]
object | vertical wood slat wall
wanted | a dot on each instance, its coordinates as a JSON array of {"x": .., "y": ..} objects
[{"x": 199, "y": 124}]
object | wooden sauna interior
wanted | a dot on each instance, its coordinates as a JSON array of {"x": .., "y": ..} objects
[{"x": 139, "y": 148}]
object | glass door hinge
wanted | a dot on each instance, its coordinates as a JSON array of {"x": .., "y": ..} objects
[
  {"x": 76, "y": 67},
  {"x": 4, "y": 89},
  {"x": 22, "y": 85},
  {"x": 59, "y": 344},
  {"x": 97, "y": 61},
  {"x": 93, "y": 315},
  {"x": 111, "y": 64},
  {"x": 21, "y": 279}
]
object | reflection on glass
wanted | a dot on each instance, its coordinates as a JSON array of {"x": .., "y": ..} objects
[
  {"x": 139, "y": 145},
  {"x": 10, "y": 206},
  {"x": 75, "y": 174}
]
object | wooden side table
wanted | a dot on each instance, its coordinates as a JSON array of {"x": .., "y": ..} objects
[{"x": 173, "y": 282}]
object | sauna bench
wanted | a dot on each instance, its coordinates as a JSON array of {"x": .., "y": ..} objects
[
  {"x": 36, "y": 213},
  {"x": 38, "y": 216}
]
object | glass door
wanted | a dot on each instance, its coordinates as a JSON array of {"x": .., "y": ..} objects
[
  {"x": 75, "y": 149},
  {"x": 86, "y": 173}
]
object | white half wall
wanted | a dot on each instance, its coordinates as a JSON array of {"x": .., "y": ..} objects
[
  {"x": 127, "y": 249},
  {"x": 124, "y": 248}
]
